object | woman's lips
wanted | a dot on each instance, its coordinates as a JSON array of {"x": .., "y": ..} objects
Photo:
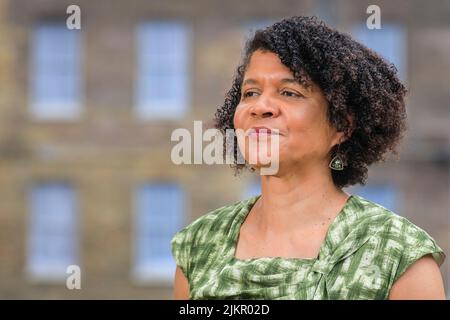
[{"x": 261, "y": 132}]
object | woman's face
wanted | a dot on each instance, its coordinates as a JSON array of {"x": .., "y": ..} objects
[{"x": 270, "y": 97}]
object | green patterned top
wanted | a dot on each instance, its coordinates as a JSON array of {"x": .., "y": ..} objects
[{"x": 366, "y": 249}]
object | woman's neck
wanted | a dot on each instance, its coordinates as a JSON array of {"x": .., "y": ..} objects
[{"x": 294, "y": 201}]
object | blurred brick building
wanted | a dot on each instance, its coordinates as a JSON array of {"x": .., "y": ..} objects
[{"x": 86, "y": 118}]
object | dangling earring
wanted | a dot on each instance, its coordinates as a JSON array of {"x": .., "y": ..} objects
[{"x": 337, "y": 163}]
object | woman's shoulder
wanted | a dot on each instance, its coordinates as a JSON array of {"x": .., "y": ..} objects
[
  {"x": 213, "y": 224},
  {"x": 205, "y": 233},
  {"x": 396, "y": 236},
  {"x": 371, "y": 247},
  {"x": 383, "y": 222}
]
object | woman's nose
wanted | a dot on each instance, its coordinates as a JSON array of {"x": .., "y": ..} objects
[{"x": 264, "y": 108}]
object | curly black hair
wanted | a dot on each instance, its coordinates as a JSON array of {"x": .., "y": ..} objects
[{"x": 355, "y": 80}]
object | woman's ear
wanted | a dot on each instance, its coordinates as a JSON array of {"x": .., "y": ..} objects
[
  {"x": 342, "y": 136},
  {"x": 349, "y": 130},
  {"x": 338, "y": 138}
]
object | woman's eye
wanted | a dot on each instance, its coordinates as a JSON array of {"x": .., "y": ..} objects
[
  {"x": 290, "y": 94},
  {"x": 249, "y": 94}
]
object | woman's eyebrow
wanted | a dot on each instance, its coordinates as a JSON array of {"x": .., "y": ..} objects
[
  {"x": 254, "y": 81},
  {"x": 249, "y": 81},
  {"x": 289, "y": 80}
]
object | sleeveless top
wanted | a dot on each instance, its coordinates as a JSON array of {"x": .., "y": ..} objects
[{"x": 366, "y": 249}]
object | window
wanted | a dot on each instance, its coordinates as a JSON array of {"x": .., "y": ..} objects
[
  {"x": 252, "y": 189},
  {"x": 389, "y": 42},
  {"x": 55, "y": 79},
  {"x": 52, "y": 241},
  {"x": 253, "y": 25},
  {"x": 250, "y": 27},
  {"x": 382, "y": 194},
  {"x": 326, "y": 11},
  {"x": 162, "y": 70},
  {"x": 159, "y": 210}
]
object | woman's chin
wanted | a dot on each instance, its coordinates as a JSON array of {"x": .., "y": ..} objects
[
  {"x": 260, "y": 160},
  {"x": 264, "y": 165}
]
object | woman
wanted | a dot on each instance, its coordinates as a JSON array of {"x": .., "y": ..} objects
[{"x": 337, "y": 108}]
